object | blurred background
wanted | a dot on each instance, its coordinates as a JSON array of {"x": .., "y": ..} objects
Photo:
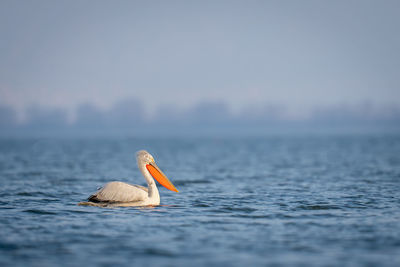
[{"x": 199, "y": 67}]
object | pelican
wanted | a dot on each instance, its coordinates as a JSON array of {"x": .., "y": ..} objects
[{"x": 123, "y": 194}]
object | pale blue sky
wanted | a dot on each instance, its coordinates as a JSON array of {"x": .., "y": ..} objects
[{"x": 298, "y": 54}]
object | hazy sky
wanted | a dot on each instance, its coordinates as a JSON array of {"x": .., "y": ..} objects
[{"x": 300, "y": 54}]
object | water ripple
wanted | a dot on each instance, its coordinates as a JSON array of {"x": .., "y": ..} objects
[
  {"x": 297, "y": 201},
  {"x": 40, "y": 212}
]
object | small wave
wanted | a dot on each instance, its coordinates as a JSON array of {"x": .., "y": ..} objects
[
  {"x": 253, "y": 216},
  {"x": 41, "y": 212},
  {"x": 317, "y": 207},
  {"x": 78, "y": 211},
  {"x": 34, "y": 194},
  {"x": 8, "y": 246},
  {"x": 201, "y": 205},
  {"x": 3, "y": 203},
  {"x": 158, "y": 252},
  {"x": 30, "y": 173},
  {"x": 243, "y": 209},
  {"x": 186, "y": 182},
  {"x": 234, "y": 210}
]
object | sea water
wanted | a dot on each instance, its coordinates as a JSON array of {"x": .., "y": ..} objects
[{"x": 291, "y": 200}]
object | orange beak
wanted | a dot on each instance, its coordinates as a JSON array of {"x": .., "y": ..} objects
[{"x": 160, "y": 176}]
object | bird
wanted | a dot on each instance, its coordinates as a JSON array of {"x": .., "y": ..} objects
[{"x": 123, "y": 194}]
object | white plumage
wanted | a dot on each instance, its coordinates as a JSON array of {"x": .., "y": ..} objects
[{"x": 122, "y": 194}]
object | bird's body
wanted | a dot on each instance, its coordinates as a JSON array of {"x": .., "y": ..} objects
[
  {"x": 123, "y": 194},
  {"x": 119, "y": 192}
]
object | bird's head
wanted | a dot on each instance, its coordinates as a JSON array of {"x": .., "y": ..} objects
[{"x": 144, "y": 158}]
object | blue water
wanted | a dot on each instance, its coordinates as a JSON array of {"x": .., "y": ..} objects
[{"x": 305, "y": 200}]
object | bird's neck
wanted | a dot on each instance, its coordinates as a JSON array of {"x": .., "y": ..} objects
[{"x": 151, "y": 184}]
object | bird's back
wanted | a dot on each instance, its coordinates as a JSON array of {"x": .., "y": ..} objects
[{"x": 119, "y": 192}]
